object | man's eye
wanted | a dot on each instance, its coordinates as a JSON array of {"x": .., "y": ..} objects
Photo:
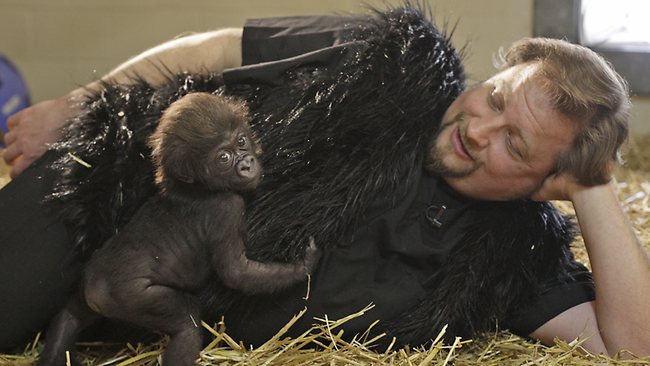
[{"x": 514, "y": 150}]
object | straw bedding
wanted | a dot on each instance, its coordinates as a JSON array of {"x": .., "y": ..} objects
[
  {"x": 4, "y": 173},
  {"x": 502, "y": 348}
]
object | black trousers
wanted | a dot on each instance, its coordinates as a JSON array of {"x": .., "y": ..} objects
[{"x": 38, "y": 269}]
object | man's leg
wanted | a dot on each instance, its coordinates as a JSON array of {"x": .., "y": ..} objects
[{"x": 37, "y": 266}]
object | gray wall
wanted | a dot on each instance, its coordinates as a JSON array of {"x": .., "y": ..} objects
[{"x": 60, "y": 44}]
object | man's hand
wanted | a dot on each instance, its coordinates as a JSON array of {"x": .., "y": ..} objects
[
  {"x": 32, "y": 130},
  {"x": 621, "y": 270},
  {"x": 556, "y": 187},
  {"x": 562, "y": 186}
]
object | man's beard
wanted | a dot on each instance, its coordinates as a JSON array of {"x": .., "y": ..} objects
[{"x": 433, "y": 162}]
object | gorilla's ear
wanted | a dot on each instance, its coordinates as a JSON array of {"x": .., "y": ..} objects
[
  {"x": 178, "y": 165},
  {"x": 183, "y": 176},
  {"x": 174, "y": 158}
]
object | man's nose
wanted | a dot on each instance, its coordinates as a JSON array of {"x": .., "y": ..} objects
[{"x": 481, "y": 130}]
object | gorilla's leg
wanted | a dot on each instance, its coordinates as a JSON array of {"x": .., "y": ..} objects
[
  {"x": 153, "y": 306},
  {"x": 63, "y": 331}
]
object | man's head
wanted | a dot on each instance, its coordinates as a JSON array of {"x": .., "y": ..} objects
[{"x": 555, "y": 108}]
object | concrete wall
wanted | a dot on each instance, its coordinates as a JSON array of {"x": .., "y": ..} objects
[{"x": 60, "y": 44}]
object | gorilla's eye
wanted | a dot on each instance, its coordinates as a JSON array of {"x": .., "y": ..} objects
[
  {"x": 224, "y": 156},
  {"x": 241, "y": 141}
]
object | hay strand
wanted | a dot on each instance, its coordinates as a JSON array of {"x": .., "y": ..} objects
[{"x": 4, "y": 172}]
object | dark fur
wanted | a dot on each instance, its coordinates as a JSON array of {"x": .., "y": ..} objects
[
  {"x": 492, "y": 274},
  {"x": 150, "y": 273},
  {"x": 336, "y": 141}
]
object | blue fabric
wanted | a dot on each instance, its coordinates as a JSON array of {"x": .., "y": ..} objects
[{"x": 14, "y": 95}]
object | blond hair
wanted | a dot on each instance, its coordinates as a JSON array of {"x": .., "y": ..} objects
[{"x": 584, "y": 87}]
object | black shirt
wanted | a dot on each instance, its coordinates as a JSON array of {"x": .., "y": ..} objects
[{"x": 390, "y": 260}]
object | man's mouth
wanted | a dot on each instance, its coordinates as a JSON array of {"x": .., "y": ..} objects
[{"x": 459, "y": 145}]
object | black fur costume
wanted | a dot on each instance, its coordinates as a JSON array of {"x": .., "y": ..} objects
[{"x": 335, "y": 142}]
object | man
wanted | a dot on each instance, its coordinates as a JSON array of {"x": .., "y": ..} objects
[
  {"x": 504, "y": 139},
  {"x": 507, "y": 130}
]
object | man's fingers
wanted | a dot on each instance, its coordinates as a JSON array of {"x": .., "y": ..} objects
[
  {"x": 18, "y": 166},
  {"x": 537, "y": 196},
  {"x": 10, "y": 137},
  {"x": 10, "y": 153},
  {"x": 13, "y": 121}
]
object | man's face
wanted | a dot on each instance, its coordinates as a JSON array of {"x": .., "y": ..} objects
[{"x": 500, "y": 139}]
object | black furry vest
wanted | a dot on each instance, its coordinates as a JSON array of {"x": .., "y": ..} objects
[{"x": 335, "y": 141}]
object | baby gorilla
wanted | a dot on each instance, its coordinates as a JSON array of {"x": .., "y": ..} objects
[{"x": 150, "y": 273}]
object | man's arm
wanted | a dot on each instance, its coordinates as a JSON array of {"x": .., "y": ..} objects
[
  {"x": 33, "y": 128},
  {"x": 578, "y": 321},
  {"x": 621, "y": 270},
  {"x": 214, "y": 51}
]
